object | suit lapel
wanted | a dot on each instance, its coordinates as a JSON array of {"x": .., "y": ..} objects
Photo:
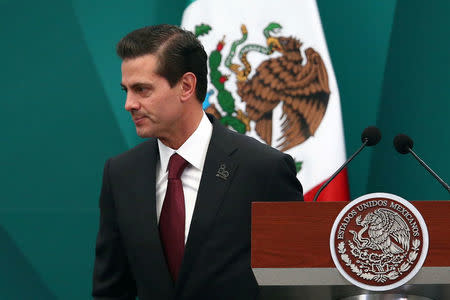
[
  {"x": 218, "y": 172},
  {"x": 145, "y": 215},
  {"x": 145, "y": 186}
]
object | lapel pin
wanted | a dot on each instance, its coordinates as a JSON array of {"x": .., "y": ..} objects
[{"x": 222, "y": 172}]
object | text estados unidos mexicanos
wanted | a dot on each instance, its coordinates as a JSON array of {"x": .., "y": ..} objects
[{"x": 402, "y": 210}]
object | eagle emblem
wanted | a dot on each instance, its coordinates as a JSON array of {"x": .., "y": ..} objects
[
  {"x": 298, "y": 81},
  {"x": 379, "y": 241},
  {"x": 387, "y": 232}
]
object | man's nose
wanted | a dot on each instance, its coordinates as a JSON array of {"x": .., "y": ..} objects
[{"x": 131, "y": 103}]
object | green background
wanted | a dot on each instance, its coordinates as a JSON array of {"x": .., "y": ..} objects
[{"x": 62, "y": 116}]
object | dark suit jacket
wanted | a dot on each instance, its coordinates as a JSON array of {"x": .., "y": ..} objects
[{"x": 129, "y": 257}]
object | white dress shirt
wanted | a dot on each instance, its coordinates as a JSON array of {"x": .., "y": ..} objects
[{"x": 194, "y": 151}]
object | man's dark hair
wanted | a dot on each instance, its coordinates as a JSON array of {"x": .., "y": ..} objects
[{"x": 178, "y": 51}]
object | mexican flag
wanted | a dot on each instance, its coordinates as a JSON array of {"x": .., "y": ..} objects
[{"x": 271, "y": 77}]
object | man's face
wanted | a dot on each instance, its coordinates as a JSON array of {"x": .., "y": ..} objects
[{"x": 154, "y": 106}]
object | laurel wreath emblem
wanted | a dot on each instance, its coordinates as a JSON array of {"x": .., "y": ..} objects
[{"x": 362, "y": 258}]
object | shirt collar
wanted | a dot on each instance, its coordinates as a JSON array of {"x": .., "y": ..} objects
[{"x": 194, "y": 148}]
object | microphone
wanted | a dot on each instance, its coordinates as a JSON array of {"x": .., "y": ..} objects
[
  {"x": 369, "y": 137},
  {"x": 403, "y": 144}
]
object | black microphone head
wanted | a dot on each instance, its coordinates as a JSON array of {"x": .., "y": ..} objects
[
  {"x": 372, "y": 135},
  {"x": 403, "y": 143}
]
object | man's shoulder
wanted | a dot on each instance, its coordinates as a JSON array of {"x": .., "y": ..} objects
[
  {"x": 140, "y": 152},
  {"x": 251, "y": 146},
  {"x": 229, "y": 139},
  {"x": 261, "y": 160}
]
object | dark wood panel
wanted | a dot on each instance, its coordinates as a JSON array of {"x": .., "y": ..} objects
[{"x": 296, "y": 234}]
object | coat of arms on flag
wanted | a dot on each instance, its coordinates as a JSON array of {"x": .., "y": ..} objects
[{"x": 270, "y": 77}]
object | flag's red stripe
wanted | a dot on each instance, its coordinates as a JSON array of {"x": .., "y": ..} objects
[{"x": 337, "y": 190}]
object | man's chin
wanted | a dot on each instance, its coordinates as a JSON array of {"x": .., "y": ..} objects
[{"x": 143, "y": 133}]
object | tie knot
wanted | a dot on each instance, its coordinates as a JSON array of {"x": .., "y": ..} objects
[{"x": 177, "y": 164}]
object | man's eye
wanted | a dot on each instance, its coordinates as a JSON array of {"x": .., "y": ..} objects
[{"x": 141, "y": 89}]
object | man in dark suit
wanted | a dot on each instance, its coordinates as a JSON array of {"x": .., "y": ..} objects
[{"x": 182, "y": 233}]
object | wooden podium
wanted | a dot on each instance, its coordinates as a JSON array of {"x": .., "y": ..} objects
[{"x": 291, "y": 254}]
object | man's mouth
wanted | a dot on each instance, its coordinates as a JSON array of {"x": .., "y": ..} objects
[{"x": 138, "y": 119}]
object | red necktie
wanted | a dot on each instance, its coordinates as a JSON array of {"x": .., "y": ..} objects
[{"x": 172, "y": 218}]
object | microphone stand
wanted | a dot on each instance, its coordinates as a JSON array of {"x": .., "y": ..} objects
[
  {"x": 445, "y": 185},
  {"x": 366, "y": 140}
]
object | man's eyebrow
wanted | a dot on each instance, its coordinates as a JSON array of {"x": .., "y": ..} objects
[
  {"x": 137, "y": 85},
  {"x": 141, "y": 84}
]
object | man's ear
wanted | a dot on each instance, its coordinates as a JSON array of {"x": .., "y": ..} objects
[{"x": 188, "y": 83}]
